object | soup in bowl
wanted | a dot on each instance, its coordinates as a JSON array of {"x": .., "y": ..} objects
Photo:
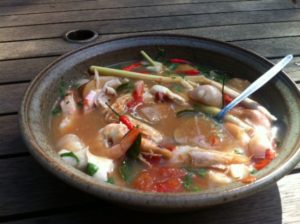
[{"x": 133, "y": 120}]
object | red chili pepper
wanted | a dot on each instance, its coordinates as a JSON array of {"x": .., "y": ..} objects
[
  {"x": 124, "y": 119},
  {"x": 227, "y": 99},
  {"x": 189, "y": 72},
  {"x": 132, "y": 66},
  {"x": 179, "y": 61}
]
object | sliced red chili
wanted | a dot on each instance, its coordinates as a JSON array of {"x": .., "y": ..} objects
[
  {"x": 227, "y": 99},
  {"x": 132, "y": 66},
  {"x": 189, "y": 72},
  {"x": 261, "y": 164},
  {"x": 124, "y": 119},
  {"x": 179, "y": 61}
]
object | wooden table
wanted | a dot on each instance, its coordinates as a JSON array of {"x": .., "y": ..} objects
[{"x": 31, "y": 37}]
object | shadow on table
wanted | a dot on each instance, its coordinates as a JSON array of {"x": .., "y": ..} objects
[{"x": 264, "y": 207}]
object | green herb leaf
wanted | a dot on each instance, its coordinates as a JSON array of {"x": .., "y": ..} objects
[
  {"x": 187, "y": 181},
  {"x": 56, "y": 110},
  {"x": 201, "y": 172},
  {"x": 62, "y": 88},
  {"x": 177, "y": 88},
  {"x": 91, "y": 169},
  {"x": 161, "y": 54},
  {"x": 239, "y": 151},
  {"x": 110, "y": 180},
  {"x": 134, "y": 149},
  {"x": 125, "y": 87},
  {"x": 254, "y": 171},
  {"x": 70, "y": 154},
  {"x": 125, "y": 169}
]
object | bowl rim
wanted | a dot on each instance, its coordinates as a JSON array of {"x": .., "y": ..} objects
[{"x": 134, "y": 197}]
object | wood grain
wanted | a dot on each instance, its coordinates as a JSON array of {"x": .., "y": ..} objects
[
  {"x": 18, "y": 9},
  {"x": 139, "y": 12},
  {"x": 270, "y": 47},
  {"x": 11, "y": 141},
  {"x": 11, "y": 96},
  {"x": 27, "y": 187},
  {"x": 248, "y": 22},
  {"x": 23, "y": 69}
]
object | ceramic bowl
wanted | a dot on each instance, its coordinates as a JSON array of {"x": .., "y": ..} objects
[{"x": 280, "y": 96}]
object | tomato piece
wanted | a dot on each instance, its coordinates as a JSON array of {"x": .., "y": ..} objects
[
  {"x": 248, "y": 179},
  {"x": 160, "y": 179},
  {"x": 270, "y": 154}
]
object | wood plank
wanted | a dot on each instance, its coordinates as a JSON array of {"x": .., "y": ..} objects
[
  {"x": 10, "y": 141},
  {"x": 26, "y": 187},
  {"x": 91, "y": 5},
  {"x": 43, "y": 192},
  {"x": 33, "y": 2},
  {"x": 272, "y": 47},
  {"x": 11, "y": 96},
  {"x": 190, "y": 23},
  {"x": 141, "y": 12},
  {"x": 23, "y": 69}
]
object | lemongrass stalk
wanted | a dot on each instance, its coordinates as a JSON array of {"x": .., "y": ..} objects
[
  {"x": 148, "y": 58},
  {"x": 136, "y": 75}
]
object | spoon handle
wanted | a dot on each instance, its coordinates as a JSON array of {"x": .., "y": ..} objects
[{"x": 263, "y": 79}]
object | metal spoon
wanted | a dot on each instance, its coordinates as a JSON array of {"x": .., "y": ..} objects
[{"x": 256, "y": 85}]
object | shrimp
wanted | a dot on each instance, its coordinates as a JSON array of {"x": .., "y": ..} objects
[
  {"x": 114, "y": 140},
  {"x": 252, "y": 116},
  {"x": 199, "y": 157},
  {"x": 149, "y": 146},
  {"x": 147, "y": 130},
  {"x": 165, "y": 91},
  {"x": 238, "y": 133},
  {"x": 258, "y": 144},
  {"x": 207, "y": 94}
]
